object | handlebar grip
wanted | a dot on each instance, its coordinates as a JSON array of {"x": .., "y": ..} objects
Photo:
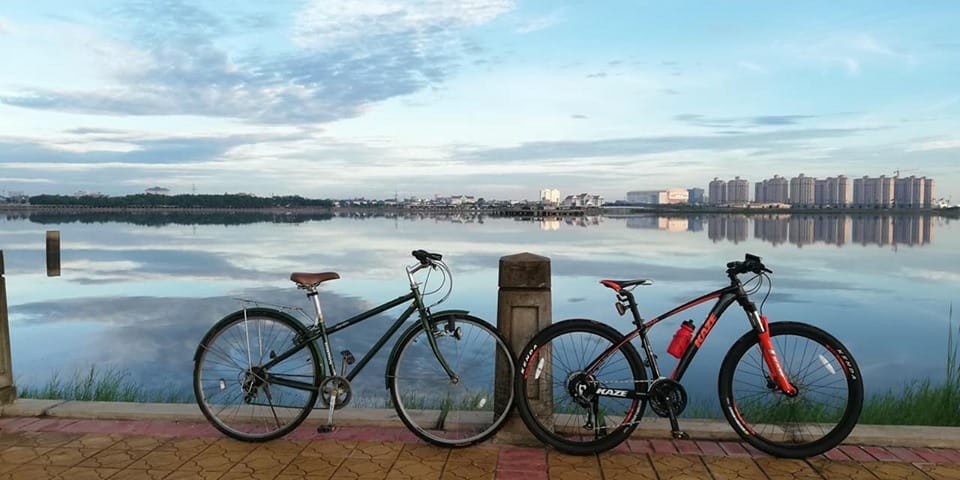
[
  {"x": 733, "y": 264},
  {"x": 426, "y": 257}
]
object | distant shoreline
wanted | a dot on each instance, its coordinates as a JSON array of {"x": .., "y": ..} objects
[{"x": 611, "y": 211}]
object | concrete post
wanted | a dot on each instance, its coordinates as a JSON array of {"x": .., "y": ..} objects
[
  {"x": 524, "y": 307},
  {"x": 8, "y": 392}
]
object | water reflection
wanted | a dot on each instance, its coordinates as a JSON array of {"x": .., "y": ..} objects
[
  {"x": 800, "y": 230},
  {"x": 142, "y": 296}
]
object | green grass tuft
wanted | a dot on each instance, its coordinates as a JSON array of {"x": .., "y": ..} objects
[{"x": 101, "y": 385}]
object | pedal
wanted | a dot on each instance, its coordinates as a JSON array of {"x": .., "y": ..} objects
[
  {"x": 680, "y": 435},
  {"x": 347, "y": 357},
  {"x": 324, "y": 428}
]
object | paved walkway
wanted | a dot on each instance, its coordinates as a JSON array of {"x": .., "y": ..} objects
[{"x": 38, "y": 448}]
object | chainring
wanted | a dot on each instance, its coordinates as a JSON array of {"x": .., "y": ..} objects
[
  {"x": 665, "y": 393},
  {"x": 338, "y": 385}
]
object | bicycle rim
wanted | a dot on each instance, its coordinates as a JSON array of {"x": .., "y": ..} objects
[
  {"x": 229, "y": 385},
  {"x": 453, "y": 413},
  {"x": 819, "y": 417},
  {"x": 555, "y": 367}
]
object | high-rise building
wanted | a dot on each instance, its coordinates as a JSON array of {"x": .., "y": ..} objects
[
  {"x": 841, "y": 190},
  {"x": 820, "y": 192},
  {"x": 738, "y": 191},
  {"x": 772, "y": 190},
  {"x": 873, "y": 192},
  {"x": 831, "y": 191},
  {"x": 802, "y": 189},
  {"x": 717, "y": 191},
  {"x": 911, "y": 192},
  {"x": 928, "y": 197},
  {"x": 695, "y": 196}
]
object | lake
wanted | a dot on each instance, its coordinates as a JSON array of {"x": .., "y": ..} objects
[{"x": 138, "y": 292}]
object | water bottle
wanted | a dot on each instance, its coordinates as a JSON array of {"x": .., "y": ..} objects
[{"x": 681, "y": 339}]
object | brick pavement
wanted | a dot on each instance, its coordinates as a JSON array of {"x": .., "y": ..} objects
[{"x": 38, "y": 448}]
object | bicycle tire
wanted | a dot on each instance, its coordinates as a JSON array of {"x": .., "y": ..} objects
[
  {"x": 231, "y": 397},
  {"x": 573, "y": 345},
  {"x": 818, "y": 418},
  {"x": 464, "y": 412}
]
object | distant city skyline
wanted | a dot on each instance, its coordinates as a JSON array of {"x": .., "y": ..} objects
[{"x": 490, "y": 98}]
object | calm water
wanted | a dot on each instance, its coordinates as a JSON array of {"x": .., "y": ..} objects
[{"x": 139, "y": 292}]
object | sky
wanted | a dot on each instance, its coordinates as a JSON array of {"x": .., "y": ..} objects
[{"x": 491, "y": 98}]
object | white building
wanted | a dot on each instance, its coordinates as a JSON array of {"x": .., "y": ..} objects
[
  {"x": 550, "y": 196},
  {"x": 583, "y": 200},
  {"x": 659, "y": 197}
]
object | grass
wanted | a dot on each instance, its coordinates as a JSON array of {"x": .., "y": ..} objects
[{"x": 101, "y": 385}]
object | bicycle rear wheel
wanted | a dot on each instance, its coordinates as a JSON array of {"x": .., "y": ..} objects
[
  {"x": 576, "y": 411},
  {"x": 231, "y": 387},
  {"x": 818, "y": 418},
  {"x": 445, "y": 412}
]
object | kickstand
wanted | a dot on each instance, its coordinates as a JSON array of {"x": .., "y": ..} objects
[{"x": 329, "y": 426}]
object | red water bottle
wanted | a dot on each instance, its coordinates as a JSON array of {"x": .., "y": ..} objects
[{"x": 681, "y": 339}]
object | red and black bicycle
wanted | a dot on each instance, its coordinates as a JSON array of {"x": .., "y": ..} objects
[{"x": 789, "y": 389}]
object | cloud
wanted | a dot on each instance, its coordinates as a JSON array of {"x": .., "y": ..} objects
[
  {"x": 937, "y": 144},
  {"x": 633, "y": 146},
  {"x": 850, "y": 51},
  {"x": 742, "y": 122},
  {"x": 329, "y": 24},
  {"x": 578, "y": 116},
  {"x": 351, "y": 55},
  {"x": 542, "y": 22},
  {"x": 5, "y": 26},
  {"x": 138, "y": 149}
]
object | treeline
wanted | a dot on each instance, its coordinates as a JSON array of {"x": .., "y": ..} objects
[
  {"x": 146, "y": 200},
  {"x": 158, "y": 219}
]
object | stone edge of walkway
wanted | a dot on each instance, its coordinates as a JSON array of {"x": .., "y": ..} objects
[{"x": 650, "y": 428}]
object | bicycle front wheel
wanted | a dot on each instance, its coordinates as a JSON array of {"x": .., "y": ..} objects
[
  {"x": 452, "y": 412},
  {"x": 829, "y": 391},
  {"x": 575, "y": 409},
  {"x": 240, "y": 397}
]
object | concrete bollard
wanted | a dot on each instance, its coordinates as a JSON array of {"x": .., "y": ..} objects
[
  {"x": 524, "y": 307},
  {"x": 8, "y": 392}
]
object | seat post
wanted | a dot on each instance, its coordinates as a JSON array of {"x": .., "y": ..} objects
[
  {"x": 312, "y": 294},
  {"x": 634, "y": 310}
]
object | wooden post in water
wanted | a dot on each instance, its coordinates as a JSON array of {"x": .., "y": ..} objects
[
  {"x": 524, "y": 307},
  {"x": 8, "y": 392},
  {"x": 53, "y": 253}
]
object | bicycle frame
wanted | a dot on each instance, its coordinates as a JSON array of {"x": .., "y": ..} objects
[
  {"x": 725, "y": 298},
  {"x": 322, "y": 332}
]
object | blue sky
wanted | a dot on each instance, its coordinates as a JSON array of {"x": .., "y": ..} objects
[{"x": 494, "y": 98}]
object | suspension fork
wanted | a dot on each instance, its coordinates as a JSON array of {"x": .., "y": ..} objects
[
  {"x": 771, "y": 359},
  {"x": 769, "y": 354}
]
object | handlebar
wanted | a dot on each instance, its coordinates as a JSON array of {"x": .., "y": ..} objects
[
  {"x": 426, "y": 258},
  {"x": 750, "y": 263}
]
